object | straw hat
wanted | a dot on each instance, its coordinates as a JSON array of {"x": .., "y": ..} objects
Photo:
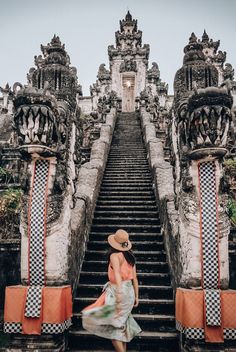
[{"x": 120, "y": 241}]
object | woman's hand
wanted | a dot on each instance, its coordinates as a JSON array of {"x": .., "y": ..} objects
[{"x": 136, "y": 302}]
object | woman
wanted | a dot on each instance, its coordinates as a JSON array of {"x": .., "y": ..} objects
[{"x": 110, "y": 316}]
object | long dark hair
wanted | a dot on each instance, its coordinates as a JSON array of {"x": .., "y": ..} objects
[{"x": 129, "y": 256}]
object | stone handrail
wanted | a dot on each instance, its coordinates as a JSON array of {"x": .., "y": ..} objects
[{"x": 164, "y": 191}]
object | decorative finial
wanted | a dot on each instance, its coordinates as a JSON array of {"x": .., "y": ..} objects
[
  {"x": 193, "y": 38},
  {"x": 128, "y": 16},
  {"x": 55, "y": 41},
  {"x": 205, "y": 37}
]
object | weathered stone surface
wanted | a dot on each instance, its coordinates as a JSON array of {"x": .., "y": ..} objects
[
  {"x": 9, "y": 264},
  {"x": 149, "y": 132}
]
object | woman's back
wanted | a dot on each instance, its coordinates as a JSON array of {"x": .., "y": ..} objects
[{"x": 126, "y": 269}]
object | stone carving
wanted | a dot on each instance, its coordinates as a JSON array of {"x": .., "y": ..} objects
[
  {"x": 54, "y": 68},
  {"x": 206, "y": 120},
  {"x": 228, "y": 72},
  {"x": 153, "y": 74},
  {"x": 128, "y": 41},
  {"x": 103, "y": 73},
  {"x": 128, "y": 66},
  {"x": 46, "y": 122},
  {"x": 92, "y": 123},
  {"x": 199, "y": 132},
  {"x": 37, "y": 119},
  {"x": 195, "y": 69}
]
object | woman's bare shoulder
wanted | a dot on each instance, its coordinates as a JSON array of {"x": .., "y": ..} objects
[{"x": 115, "y": 257}]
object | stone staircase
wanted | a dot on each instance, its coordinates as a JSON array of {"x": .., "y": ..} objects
[{"x": 127, "y": 201}]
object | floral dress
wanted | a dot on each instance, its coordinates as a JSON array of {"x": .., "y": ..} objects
[{"x": 101, "y": 317}]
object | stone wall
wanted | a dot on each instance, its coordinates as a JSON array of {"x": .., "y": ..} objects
[
  {"x": 164, "y": 190},
  {"x": 87, "y": 189},
  {"x": 85, "y": 103},
  {"x": 9, "y": 264}
]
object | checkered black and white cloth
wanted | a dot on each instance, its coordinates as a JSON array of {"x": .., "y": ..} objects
[
  {"x": 209, "y": 210},
  {"x": 213, "y": 307},
  {"x": 198, "y": 333},
  {"x": 36, "y": 224},
  {"x": 33, "y": 302},
  {"x": 59, "y": 328}
]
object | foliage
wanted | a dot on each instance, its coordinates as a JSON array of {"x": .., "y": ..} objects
[
  {"x": 10, "y": 201},
  {"x": 10, "y": 205},
  {"x": 5, "y": 174},
  {"x": 230, "y": 166},
  {"x": 232, "y": 211}
]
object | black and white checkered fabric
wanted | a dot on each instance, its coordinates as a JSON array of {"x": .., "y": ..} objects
[
  {"x": 230, "y": 334},
  {"x": 16, "y": 328},
  {"x": 12, "y": 328},
  {"x": 56, "y": 328},
  {"x": 213, "y": 307},
  {"x": 209, "y": 225},
  {"x": 190, "y": 333},
  {"x": 33, "y": 302},
  {"x": 198, "y": 333},
  {"x": 37, "y": 224}
]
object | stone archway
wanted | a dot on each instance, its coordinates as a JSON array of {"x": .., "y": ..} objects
[{"x": 128, "y": 93}]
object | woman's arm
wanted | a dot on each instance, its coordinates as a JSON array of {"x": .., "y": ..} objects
[
  {"x": 136, "y": 288},
  {"x": 115, "y": 263}
]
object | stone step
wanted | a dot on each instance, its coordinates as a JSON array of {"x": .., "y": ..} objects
[
  {"x": 123, "y": 178},
  {"x": 127, "y": 186},
  {"x": 126, "y": 202},
  {"x": 115, "y": 162},
  {"x": 87, "y": 277},
  {"x": 155, "y": 322},
  {"x": 131, "y": 183},
  {"x": 137, "y": 245},
  {"x": 129, "y": 170},
  {"x": 124, "y": 148},
  {"x": 118, "y": 188},
  {"x": 130, "y": 193},
  {"x": 146, "y": 306},
  {"x": 127, "y": 151},
  {"x": 125, "y": 145},
  {"x": 121, "y": 156},
  {"x": 145, "y": 291},
  {"x": 125, "y": 168},
  {"x": 116, "y": 220},
  {"x": 136, "y": 173},
  {"x": 130, "y": 186},
  {"x": 110, "y": 213},
  {"x": 139, "y": 255},
  {"x": 128, "y": 207},
  {"x": 111, "y": 228},
  {"x": 122, "y": 198},
  {"x": 126, "y": 158},
  {"x": 142, "y": 267},
  {"x": 157, "y": 237}
]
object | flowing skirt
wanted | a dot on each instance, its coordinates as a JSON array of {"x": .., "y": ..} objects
[{"x": 102, "y": 319}]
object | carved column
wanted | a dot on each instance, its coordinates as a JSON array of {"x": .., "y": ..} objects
[
  {"x": 45, "y": 121},
  {"x": 200, "y": 130}
]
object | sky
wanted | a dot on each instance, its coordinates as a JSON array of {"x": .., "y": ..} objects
[{"x": 87, "y": 27}]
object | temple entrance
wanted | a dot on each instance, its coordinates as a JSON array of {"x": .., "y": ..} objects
[{"x": 128, "y": 96}]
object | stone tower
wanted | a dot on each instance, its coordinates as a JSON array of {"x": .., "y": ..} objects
[{"x": 128, "y": 62}]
